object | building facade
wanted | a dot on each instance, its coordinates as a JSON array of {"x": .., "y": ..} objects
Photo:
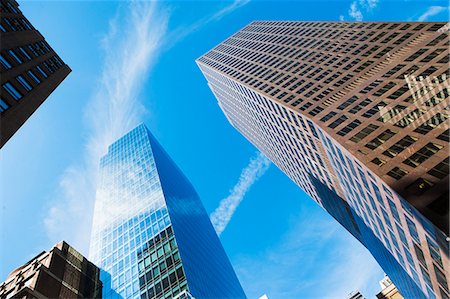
[
  {"x": 61, "y": 272},
  {"x": 30, "y": 69},
  {"x": 356, "y": 114},
  {"x": 388, "y": 290},
  {"x": 152, "y": 237},
  {"x": 355, "y": 295}
]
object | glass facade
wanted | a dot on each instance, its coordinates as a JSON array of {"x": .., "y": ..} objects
[{"x": 151, "y": 236}]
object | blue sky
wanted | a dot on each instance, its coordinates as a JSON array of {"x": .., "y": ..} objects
[{"x": 136, "y": 63}]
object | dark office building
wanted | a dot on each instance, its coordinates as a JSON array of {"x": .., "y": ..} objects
[
  {"x": 30, "y": 69},
  {"x": 356, "y": 114},
  {"x": 61, "y": 272}
]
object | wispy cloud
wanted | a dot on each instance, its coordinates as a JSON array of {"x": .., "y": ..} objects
[
  {"x": 311, "y": 251},
  {"x": 354, "y": 12},
  {"x": 356, "y": 8},
  {"x": 136, "y": 36},
  {"x": 250, "y": 174},
  {"x": 432, "y": 11},
  {"x": 130, "y": 49},
  {"x": 181, "y": 32}
]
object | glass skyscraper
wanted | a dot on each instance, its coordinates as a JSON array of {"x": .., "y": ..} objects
[
  {"x": 152, "y": 237},
  {"x": 356, "y": 114}
]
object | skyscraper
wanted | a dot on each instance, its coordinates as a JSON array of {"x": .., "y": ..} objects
[
  {"x": 151, "y": 236},
  {"x": 355, "y": 113},
  {"x": 30, "y": 69},
  {"x": 62, "y": 272}
]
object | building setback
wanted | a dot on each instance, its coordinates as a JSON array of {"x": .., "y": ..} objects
[
  {"x": 61, "y": 272},
  {"x": 152, "y": 237},
  {"x": 356, "y": 114},
  {"x": 388, "y": 290},
  {"x": 30, "y": 69}
]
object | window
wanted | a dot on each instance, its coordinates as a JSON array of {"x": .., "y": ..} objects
[
  {"x": 428, "y": 72},
  {"x": 316, "y": 111},
  {"x": 440, "y": 171},
  {"x": 435, "y": 41},
  {"x": 347, "y": 103},
  {"x": 441, "y": 278},
  {"x": 24, "y": 83},
  {"x": 14, "y": 55},
  {"x": 380, "y": 139},
  {"x": 433, "y": 55},
  {"x": 445, "y": 136},
  {"x": 399, "y": 92},
  {"x": 12, "y": 91},
  {"x": 383, "y": 52},
  {"x": 43, "y": 73},
  {"x": 409, "y": 71},
  {"x": 431, "y": 123},
  {"x": 328, "y": 116},
  {"x": 384, "y": 89},
  {"x": 394, "y": 70},
  {"x": 361, "y": 105},
  {"x": 22, "y": 50},
  {"x": 415, "y": 55},
  {"x": 409, "y": 118},
  {"x": 374, "y": 110},
  {"x": 348, "y": 128},
  {"x": 4, "y": 62},
  {"x": 338, "y": 121},
  {"x": 423, "y": 154},
  {"x": 418, "y": 187},
  {"x": 397, "y": 173},
  {"x": 33, "y": 77},
  {"x": 378, "y": 162},
  {"x": 364, "y": 133},
  {"x": 3, "y": 106},
  {"x": 400, "y": 146},
  {"x": 391, "y": 113}
]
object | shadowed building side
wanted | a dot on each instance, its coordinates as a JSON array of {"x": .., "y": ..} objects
[
  {"x": 61, "y": 272},
  {"x": 30, "y": 70}
]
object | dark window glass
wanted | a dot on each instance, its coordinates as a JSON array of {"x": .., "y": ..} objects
[
  {"x": 328, "y": 116},
  {"x": 347, "y": 103},
  {"x": 12, "y": 91},
  {"x": 400, "y": 146},
  {"x": 380, "y": 139},
  {"x": 14, "y": 55},
  {"x": 338, "y": 121},
  {"x": 348, "y": 128},
  {"x": 3, "y": 106},
  {"x": 4, "y": 62},
  {"x": 24, "y": 83},
  {"x": 432, "y": 123},
  {"x": 440, "y": 171},
  {"x": 423, "y": 154},
  {"x": 364, "y": 133},
  {"x": 409, "y": 118},
  {"x": 397, "y": 173}
]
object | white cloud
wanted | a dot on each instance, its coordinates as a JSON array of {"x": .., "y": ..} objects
[
  {"x": 135, "y": 38},
  {"x": 183, "y": 31},
  {"x": 227, "y": 206},
  {"x": 311, "y": 251},
  {"x": 354, "y": 12},
  {"x": 369, "y": 4},
  {"x": 432, "y": 11},
  {"x": 356, "y": 7},
  {"x": 130, "y": 50}
]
